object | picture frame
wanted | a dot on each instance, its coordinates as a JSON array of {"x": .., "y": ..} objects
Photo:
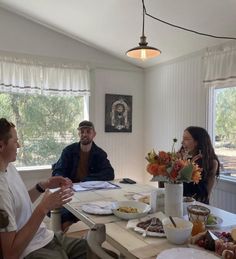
[{"x": 118, "y": 113}]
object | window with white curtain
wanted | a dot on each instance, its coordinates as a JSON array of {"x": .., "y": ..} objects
[
  {"x": 220, "y": 78},
  {"x": 223, "y": 124},
  {"x": 46, "y": 102}
]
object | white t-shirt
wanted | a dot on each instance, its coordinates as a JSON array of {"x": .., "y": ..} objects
[{"x": 15, "y": 200}]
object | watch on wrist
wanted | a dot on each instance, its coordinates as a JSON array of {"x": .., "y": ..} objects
[{"x": 39, "y": 188}]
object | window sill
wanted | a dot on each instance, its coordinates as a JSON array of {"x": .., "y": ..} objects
[
  {"x": 225, "y": 178},
  {"x": 38, "y": 168}
]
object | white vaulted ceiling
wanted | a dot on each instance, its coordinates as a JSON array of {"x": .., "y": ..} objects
[{"x": 114, "y": 26}]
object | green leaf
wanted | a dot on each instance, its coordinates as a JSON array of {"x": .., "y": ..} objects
[{"x": 185, "y": 174}]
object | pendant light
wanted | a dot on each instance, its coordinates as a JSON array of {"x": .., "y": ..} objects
[{"x": 143, "y": 51}]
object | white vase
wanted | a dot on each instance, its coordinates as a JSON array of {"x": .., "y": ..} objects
[{"x": 174, "y": 199}]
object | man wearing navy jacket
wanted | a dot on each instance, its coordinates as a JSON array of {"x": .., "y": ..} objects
[{"x": 82, "y": 161}]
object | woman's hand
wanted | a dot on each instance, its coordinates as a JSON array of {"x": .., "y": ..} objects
[{"x": 197, "y": 157}]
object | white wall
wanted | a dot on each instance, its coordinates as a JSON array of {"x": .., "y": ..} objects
[
  {"x": 109, "y": 75},
  {"x": 125, "y": 149},
  {"x": 24, "y": 36},
  {"x": 174, "y": 99}
]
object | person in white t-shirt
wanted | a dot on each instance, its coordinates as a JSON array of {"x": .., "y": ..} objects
[{"x": 26, "y": 236}]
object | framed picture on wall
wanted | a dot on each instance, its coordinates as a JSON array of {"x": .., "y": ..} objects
[{"x": 118, "y": 113}]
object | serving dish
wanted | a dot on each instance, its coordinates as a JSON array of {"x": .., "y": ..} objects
[
  {"x": 134, "y": 224},
  {"x": 142, "y": 209}
]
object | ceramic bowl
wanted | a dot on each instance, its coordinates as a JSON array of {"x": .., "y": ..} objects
[
  {"x": 142, "y": 209},
  {"x": 181, "y": 233}
]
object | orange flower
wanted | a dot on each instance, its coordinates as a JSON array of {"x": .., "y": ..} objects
[
  {"x": 152, "y": 169},
  {"x": 196, "y": 175},
  {"x": 168, "y": 167},
  {"x": 161, "y": 170},
  {"x": 164, "y": 157},
  {"x": 174, "y": 174}
]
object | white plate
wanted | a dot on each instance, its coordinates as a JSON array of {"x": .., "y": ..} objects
[
  {"x": 98, "y": 208},
  {"x": 196, "y": 247},
  {"x": 219, "y": 221},
  {"x": 142, "y": 197},
  {"x": 185, "y": 253},
  {"x": 149, "y": 233}
]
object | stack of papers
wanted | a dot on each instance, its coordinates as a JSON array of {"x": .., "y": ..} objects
[{"x": 93, "y": 185}]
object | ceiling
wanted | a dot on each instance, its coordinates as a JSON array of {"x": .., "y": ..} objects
[{"x": 114, "y": 26}]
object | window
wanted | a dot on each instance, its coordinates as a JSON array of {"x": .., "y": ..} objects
[
  {"x": 45, "y": 124},
  {"x": 224, "y": 128}
]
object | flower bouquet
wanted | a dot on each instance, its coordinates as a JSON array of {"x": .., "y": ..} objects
[{"x": 169, "y": 167}]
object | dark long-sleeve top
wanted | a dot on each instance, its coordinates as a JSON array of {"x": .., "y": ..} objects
[
  {"x": 199, "y": 191},
  {"x": 99, "y": 167}
]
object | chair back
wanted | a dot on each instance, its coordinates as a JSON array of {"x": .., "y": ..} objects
[
  {"x": 4, "y": 221},
  {"x": 95, "y": 238}
]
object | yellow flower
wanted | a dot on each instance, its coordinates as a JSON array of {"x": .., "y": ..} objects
[{"x": 196, "y": 175}]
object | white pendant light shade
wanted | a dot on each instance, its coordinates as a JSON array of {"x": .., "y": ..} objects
[{"x": 143, "y": 51}]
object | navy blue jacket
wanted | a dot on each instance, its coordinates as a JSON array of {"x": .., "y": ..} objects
[{"x": 99, "y": 167}]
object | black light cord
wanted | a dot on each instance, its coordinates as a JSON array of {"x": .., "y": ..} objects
[{"x": 185, "y": 29}]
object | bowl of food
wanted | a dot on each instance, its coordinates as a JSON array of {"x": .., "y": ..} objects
[
  {"x": 177, "y": 235},
  {"x": 130, "y": 209}
]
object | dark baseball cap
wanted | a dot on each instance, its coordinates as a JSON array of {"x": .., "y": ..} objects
[{"x": 86, "y": 124}]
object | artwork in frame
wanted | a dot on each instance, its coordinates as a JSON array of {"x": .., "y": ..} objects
[{"x": 118, "y": 113}]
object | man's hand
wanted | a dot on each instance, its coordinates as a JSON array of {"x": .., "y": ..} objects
[
  {"x": 53, "y": 200},
  {"x": 55, "y": 182}
]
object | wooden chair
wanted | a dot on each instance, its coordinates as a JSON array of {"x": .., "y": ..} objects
[{"x": 95, "y": 238}]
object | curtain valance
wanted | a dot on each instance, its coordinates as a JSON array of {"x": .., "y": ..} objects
[
  {"x": 220, "y": 65},
  {"x": 28, "y": 76}
]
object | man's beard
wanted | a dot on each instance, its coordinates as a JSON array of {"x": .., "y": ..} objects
[{"x": 85, "y": 141}]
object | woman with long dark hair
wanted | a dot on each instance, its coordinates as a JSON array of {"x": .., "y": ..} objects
[{"x": 197, "y": 146}]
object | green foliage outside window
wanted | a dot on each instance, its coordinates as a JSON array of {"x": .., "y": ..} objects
[
  {"x": 226, "y": 115},
  {"x": 45, "y": 125}
]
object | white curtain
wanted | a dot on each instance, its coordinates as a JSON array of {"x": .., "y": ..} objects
[
  {"x": 21, "y": 75},
  {"x": 220, "y": 65},
  {"x": 65, "y": 81}
]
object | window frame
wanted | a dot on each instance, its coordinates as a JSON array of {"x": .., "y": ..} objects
[
  {"x": 46, "y": 167},
  {"x": 211, "y": 119}
]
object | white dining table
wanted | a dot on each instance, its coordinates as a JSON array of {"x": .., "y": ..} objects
[{"x": 131, "y": 244}]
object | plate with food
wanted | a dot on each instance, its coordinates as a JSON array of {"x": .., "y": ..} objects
[
  {"x": 142, "y": 197},
  {"x": 213, "y": 221},
  {"x": 150, "y": 225},
  {"x": 219, "y": 243}
]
